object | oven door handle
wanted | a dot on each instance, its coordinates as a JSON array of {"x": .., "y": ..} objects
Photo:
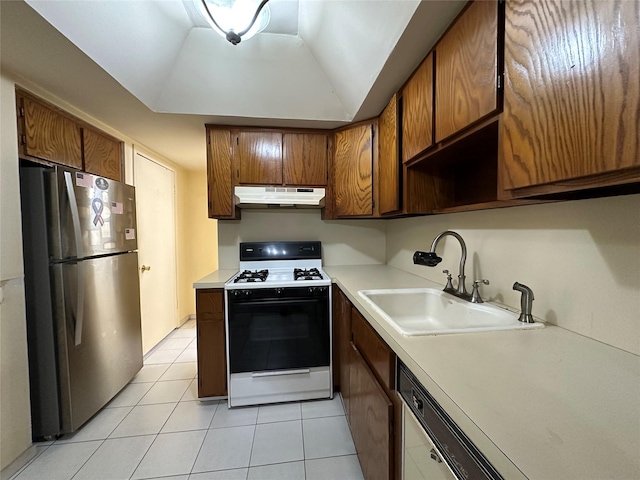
[{"x": 277, "y": 373}]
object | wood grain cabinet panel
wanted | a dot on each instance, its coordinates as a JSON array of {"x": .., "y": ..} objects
[
  {"x": 342, "y": 343},
  {"x": 304, "y": 159},
  {"x": 212, "y": 359},
  {"x": 220, "y": 174},
  {"x": 51, "y": 136},
  {"x": 572, "y": 110},
  {"x": 353, "y": 171},
  {"x": 467, "y": 69},
  {"x": 417, "y": 111},
  {"x": 102, "y": 155},
  {"x": 388, "y": 159},
  {"x": 371, "y": 420},
  {"x": 374, "y": 349},
  {"x": 259, "y": 156}
]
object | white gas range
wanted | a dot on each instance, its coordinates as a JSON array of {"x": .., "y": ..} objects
[{"x": 278, "y": 325}]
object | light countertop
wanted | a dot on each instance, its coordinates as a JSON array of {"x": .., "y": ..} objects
[
  {"x": 215, "y": 279},
  {"x": 543, "y": 403},
  {"x": 546, "y": 403}
]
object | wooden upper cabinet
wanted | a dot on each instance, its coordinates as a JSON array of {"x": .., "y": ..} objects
[
  {"x": 219, "y": 174},
  {"x": 259, "y": 156},
  {"x": 388, "y": 161},
  {"x": 304, "y": 159},
  {"x": 467, "y": 69},
  {"x": 353, "y": 171},
  {"x": 49, "y": 135},
  {"x": 417, "y": 111},
  {"x": 102, "y": 155},
  {"x": 572, "y": 93}
]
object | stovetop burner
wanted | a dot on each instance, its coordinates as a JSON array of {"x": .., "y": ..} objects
[
  {"x": 248, "y": 276},
  {"x": 265, "y": 265},
  {"x": 306, "y": 274}
]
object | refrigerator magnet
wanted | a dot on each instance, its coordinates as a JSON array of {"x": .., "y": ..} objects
[
  {"x": 130, "y": 233},
  {"x": 84, "y": 180}
]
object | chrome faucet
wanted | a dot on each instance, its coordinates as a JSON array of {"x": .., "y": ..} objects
[
  {"x": 526, "y": 301},
  {"x": 430, "y": 259}
]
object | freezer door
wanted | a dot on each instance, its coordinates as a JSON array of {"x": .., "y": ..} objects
[
  {"x": 97, "y": 305},
  {"x": 90, "y": 215}
]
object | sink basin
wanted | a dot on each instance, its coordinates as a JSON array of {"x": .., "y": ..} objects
[{"x": 428, "y": 311}]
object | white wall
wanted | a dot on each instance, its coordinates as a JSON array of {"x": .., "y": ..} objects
[
  {"x": 344, "y": 242},
  {"x": 581, "y": 258},
  {"x": 15, "y": 412}
]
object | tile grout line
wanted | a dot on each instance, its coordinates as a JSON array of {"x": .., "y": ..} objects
[
  {"x": 304, "y": 452},
  {"x": 165, "y": 422},
  {"x": 203, "y": 440}
]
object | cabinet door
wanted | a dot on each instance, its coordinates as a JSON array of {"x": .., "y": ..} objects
[
  {"x": 376, "y": 351},
  {"x": 467, "y": 69},
  {"x": 50, "y": 135},
  {"x": 219, "y": 174},
  {"x": 571, "y": 111},
  {"x": 212, "y": 358},
  {"x": 371, "y": 417},
  {"x": 388, "y": 160},
  {"x": 102, "y": 155},
  {"x": 342, "y": 343},
  {"x": 259, "y": 156},
  {"x": 353, "y": 171},
  {"x": 304, "y": 159},
  {"x": 417, "y": 111}
]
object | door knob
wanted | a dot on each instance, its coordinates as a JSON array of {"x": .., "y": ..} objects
[{"x": 145, "y": 267}]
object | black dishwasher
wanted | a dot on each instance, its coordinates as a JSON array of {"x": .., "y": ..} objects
[{"x": 445, "y": 443}]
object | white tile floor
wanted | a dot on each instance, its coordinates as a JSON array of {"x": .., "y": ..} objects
[{"x": 156, "y": 428}]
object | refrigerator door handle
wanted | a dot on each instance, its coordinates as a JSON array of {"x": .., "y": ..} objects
[
  {"x": 77, "y": 330},
  {"x": 75, "y": 217}
]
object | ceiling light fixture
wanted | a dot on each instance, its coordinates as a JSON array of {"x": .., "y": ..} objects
[{"x": 235, "y": 20}]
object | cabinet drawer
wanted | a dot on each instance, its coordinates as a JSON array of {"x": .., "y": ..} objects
[{"x": 374, "y": 349}]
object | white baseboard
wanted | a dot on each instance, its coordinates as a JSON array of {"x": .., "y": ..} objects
[
  {"x": 22, "y": 460},
  {"x": 186, "y": 318}
]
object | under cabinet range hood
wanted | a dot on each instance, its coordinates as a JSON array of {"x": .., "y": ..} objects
[{"x": 279, "y": 197}]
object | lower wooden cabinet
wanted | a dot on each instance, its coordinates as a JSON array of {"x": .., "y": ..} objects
[
  {"x": 341, "y": 344},
  {"x": 370, "y": 420},
  {"x": 212, "y": 358},
  {"x": 366, "y": 380}
]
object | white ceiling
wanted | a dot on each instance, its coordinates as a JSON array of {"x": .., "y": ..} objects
[{"x": 153, "y": 71}]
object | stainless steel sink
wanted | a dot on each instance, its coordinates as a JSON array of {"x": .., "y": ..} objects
[{"x": 428, "y": 311}]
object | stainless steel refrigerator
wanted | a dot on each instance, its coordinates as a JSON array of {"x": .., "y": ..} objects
[{"x": 82, "y": 293}]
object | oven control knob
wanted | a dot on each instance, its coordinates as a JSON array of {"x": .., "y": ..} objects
[
  {"x": 311, "y": 290},
  {"x": 246, "y": 293},
  {"x": 278, "y": 291}
]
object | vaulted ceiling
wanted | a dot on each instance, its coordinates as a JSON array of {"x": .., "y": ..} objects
[{"x": 156, "y": 72}]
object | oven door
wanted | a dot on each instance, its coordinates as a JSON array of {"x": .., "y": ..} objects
[
  {"x": 278, "y": 329},
  {"x": 278, "y": 345}
]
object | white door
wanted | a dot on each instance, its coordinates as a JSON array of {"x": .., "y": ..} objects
[{"x": 155, "y": 198}]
